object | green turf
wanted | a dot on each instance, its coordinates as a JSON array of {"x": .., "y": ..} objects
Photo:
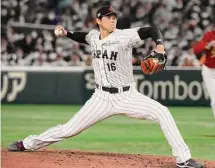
[{"x": 116, "y": 134}]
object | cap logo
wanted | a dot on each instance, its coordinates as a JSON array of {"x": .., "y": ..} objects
[
  {"x": 99, "y": 14},
  {"x": 110, "y": 9}
]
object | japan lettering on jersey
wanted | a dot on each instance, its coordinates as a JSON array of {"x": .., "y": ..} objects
[{"x": 112, "y": 56}]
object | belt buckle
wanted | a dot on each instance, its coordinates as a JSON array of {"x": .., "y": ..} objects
[
  {"x": 116, "y": 90},
  {"x": 108, "y": 89},
  {"x": 120, "y": 89},
  {"x": 111, "y": 90}
]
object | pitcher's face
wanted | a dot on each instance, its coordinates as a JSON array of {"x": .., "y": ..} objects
[{"x": 108, "y": 22}]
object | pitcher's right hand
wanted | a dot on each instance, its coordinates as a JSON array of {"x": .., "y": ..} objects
[{"x": 60, "y": 31}]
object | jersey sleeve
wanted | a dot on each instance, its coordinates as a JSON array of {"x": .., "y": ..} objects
[
  {"x": 200, "y": 46},
  {"x": 90, "y": 35},
  {"x": 130, "y": 37}
]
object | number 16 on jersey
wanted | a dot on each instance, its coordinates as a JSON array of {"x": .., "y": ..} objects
[{"x": 111, "y": 66}]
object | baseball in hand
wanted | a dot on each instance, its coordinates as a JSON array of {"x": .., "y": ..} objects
[{"x": 59, "y": 32}]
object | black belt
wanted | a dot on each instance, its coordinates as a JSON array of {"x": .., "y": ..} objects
[{"x": 112, "y": 90}]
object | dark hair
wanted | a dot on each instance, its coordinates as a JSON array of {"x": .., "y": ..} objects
[
  {"x": 97, "y": 23},
  {"x": 100, "y": 17}
]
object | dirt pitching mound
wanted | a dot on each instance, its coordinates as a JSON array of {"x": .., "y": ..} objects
[{"x": 78, "y": 159}]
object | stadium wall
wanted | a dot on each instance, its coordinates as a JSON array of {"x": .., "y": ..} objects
[{"x": 74, "y": 85}]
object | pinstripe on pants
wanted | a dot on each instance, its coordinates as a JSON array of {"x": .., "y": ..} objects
[{"x": 103, "y": 105}]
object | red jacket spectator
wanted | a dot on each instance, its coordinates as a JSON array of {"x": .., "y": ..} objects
[{"x": 207, "y": 45}]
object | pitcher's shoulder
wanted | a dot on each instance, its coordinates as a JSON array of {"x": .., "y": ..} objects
[
  {"x": 125, "y": 31},
  {"x": 120, "y": 31},
  {"x": 93, "y": 32}
]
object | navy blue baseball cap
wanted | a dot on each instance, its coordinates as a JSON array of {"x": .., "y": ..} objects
[{"x": 107, "y": 10}]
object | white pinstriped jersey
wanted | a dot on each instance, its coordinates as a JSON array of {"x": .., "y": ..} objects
[
  {"x": 112, "y": 63},
  {"x": 112, "y": 56}
]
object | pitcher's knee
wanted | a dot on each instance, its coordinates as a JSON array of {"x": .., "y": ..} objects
[{"x": 164, "y": 114}]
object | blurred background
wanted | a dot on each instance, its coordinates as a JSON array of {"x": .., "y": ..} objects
[
  {"x": 38, "y": 68},
  {"x": 27, "y": 37}
]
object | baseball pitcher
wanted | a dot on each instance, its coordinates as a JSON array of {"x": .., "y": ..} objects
[{"x": 115, "y": 92}]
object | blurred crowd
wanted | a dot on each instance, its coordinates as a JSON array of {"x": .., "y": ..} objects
[{"x": 182, "y": 23}]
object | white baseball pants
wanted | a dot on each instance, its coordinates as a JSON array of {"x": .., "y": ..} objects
[
  {"x": 208, "y": 75},
  {"x": 103, "y": 105}
]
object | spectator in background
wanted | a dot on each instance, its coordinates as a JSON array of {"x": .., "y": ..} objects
[
  {"x": 59, "y": 61},
  {"x": 181, "y": 23},
  {"x": 75, "y": 60},
  {"x": 174, "y": 55},
  {"x": 161, "y": 16},
  {"x": 88, "y": 61},
  {"x": 188, "y": 59}
]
